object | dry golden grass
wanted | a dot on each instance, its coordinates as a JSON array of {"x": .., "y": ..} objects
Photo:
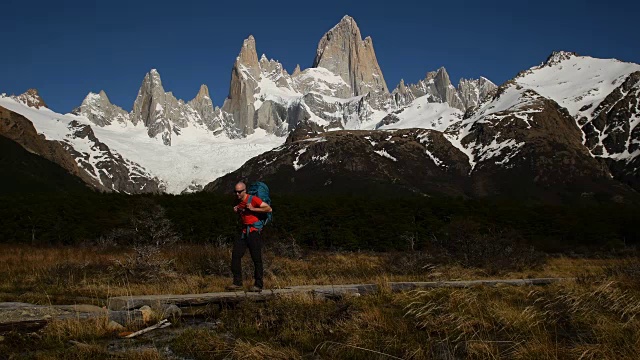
[
  {"x": 62, "y": 274},
  {"x": 71, "y": 339},
  {"x": 58, "y": 275},
  {"x": 597, "y": 320},
  {"x": 594, "y": 317}
]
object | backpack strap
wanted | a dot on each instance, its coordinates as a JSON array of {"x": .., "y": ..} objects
[{"x": 258, "y": 224}]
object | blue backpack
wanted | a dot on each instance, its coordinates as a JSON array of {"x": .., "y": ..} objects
[{"x": 260, "y": 190}]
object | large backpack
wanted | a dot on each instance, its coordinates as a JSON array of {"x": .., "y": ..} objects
[{"x": 260, "y": 190}]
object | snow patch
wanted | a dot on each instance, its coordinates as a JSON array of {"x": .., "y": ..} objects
[
  {"x": 578, "y": 81},
  {"x": 384, "y": 153},
  {"x": 424, "y": 139},
  {"x": 196, "y": 155},
  {"x": 422, "y": 114},
  {"x": 296, "y": 165}
]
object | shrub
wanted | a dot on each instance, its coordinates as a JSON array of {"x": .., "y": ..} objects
[
  {"x": 145, "y": 264},
  {"x": 495, "y": 250}
]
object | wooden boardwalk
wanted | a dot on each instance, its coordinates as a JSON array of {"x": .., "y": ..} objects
[
  {"x": 25, "y": 316},
  {"x": 125, "y": 309},
  {"x": 121, "y": 303}
]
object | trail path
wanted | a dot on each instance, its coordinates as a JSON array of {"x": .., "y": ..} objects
[{"x": 122, "y": 309}]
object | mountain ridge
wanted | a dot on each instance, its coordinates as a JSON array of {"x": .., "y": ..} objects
[{"x": 592, "y": 103}]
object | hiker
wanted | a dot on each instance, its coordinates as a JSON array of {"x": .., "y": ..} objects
[{"x": 248, "y": 207}]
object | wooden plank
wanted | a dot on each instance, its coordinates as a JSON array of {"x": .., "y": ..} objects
[
  {"x": 123, "y": 303},
  {"x": 154, "y": 301},
  {"x": 24, "y": 316},
  {"x": 121, "y": 309}
]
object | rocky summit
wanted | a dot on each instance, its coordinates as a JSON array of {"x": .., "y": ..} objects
[
  {"x": 526, "y": 139},
  {"x": 343, "y": 52},
  {"x": 344, "y": 89},
  {"x": 30, "y": 98},
  {"x": 100, "y": 111},
  {"x": 566, "y": 126}
]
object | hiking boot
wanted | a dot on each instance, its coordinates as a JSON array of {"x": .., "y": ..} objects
[
  {"x": 255, "y": 289},
  {"x": 233, "y": 287}
]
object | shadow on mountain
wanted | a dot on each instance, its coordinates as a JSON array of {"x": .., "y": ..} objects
[{"x": 24, "y": 172}]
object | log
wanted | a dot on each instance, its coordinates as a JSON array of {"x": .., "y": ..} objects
[
  {"x": 24, "y": 316},
  {"x": 123, "y": 309},
  {"x": 124, "y": 303}
]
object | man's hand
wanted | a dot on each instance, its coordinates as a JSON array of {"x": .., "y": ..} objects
[
  {"x": 250, "y": 207},
  {"x": 236, "y": 208}
]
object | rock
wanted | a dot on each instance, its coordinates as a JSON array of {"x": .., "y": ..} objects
[
  {"x": 473, "y": 91},
  {"x": 245, "y": 76},
  {"x": 1, "y": 338},
  {"x": 250, "y": 104},
  {"x": 30, "y": 98},
  {"x": 343, "y": 52},
  {"x": 113, "y": 171},
  {"x": 272, "y": 117},
  {"x": 147, "y": 313},
  {"x": 209, "y": 116},
  {"x": 403, "y": 95},
  {"x": 436, "y": 86},
  {"x": 415, "y": 159},
  {"x": 114, "y": 326},
  {"x": 444, "y": 90},
  {"x": 321, "y": 81},
  {"x": 19, "y": 129},
  {"x": 171, "y": 311},
  {"x": 157, "y": 110},
  {"x": 165, "y": 115},
  {"x": 557, "y": 57},
  {"x": 611, "y": 134},
  {"x": 100, "y": 111},
  {"x": 296, "y": 71}
]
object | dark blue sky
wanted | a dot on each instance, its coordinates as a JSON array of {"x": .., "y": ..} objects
[{"x": 67, "y": 50}]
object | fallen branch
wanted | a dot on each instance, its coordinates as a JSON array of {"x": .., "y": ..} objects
[{"x": 161, "y": 325}]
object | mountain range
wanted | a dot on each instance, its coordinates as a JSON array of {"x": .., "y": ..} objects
[{"x": 566, "y": 126}]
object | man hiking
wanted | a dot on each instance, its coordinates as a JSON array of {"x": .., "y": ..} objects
[{"x": 248, "y": 207}]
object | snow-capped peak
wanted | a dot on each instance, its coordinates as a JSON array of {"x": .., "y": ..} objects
[
  {"x": 576, "y": 82},
  {"x": 30, "y": 98},
  {"x": 557, "y": 57},
  {"x": 346, "y": 20},
  {"x": 100, "y": 111},
  {"x": 203, "y": 92}
]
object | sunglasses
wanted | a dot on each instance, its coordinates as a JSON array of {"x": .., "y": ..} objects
[{"x": 238, "y": 191}]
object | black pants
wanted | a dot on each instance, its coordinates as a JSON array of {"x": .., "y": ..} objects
[{"x": 254, "y": 243}]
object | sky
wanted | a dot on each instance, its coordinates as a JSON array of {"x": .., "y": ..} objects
[{"x": 68, "y": 49}]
